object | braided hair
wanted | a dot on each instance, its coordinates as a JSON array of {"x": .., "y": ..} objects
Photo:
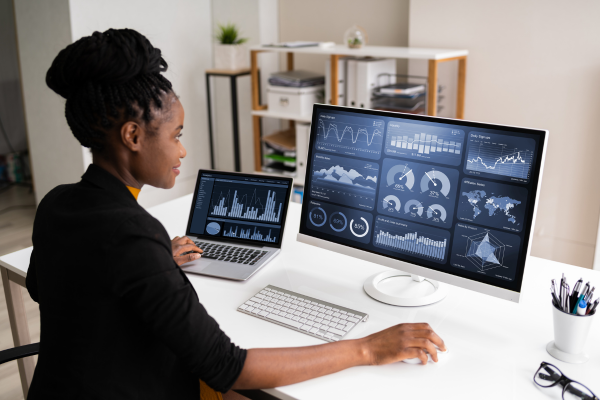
[{"x": 107, "y": 78}]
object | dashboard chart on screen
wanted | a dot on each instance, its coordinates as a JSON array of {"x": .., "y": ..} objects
[
  {"x": 240, "y": 208},
  {"x": 445, "y": 194},
  {"x": 499, "y": 156},
  {"x": 344, "y": 133},
  {"x": 345, "y": 181}
]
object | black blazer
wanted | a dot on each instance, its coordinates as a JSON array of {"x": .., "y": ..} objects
[{"x": 119, "y": 318}]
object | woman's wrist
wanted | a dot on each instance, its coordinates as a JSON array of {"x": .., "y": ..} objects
[{"x": 363, "y": 352}]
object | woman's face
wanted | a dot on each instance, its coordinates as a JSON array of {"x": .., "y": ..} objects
[{"x": 159, "y": 161}]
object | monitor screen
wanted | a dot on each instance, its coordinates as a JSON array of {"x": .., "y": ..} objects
[
  {"x": 240, "y": 207},
  {"x": 453, "y": 196}
]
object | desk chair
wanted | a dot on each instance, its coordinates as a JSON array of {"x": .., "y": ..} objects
[{"x": 19, "y": 352}]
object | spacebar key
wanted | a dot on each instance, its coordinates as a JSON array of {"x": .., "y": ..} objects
[{"x": 285, "y": 321}]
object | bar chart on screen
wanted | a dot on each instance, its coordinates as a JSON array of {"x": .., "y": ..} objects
[
  {"x": 412, "y": 239},
  {"x": 425, "y": 142},
  {"x": 255, "y": 203}
]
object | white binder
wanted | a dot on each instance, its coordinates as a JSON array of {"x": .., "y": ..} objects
[
  {"x": 367, "y": 73},
  {"x": 302, "y": 136}
]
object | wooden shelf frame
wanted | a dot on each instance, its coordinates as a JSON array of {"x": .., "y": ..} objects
[{"x": 434, "y": 57}]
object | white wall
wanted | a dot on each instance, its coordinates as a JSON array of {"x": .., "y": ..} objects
[
  {"x": 385, "y": 21},
  {"x": 258, "y": 22},
  {"x": 182, "y": 30},
  {"x": 534, "y": 63},
  {"x": 43, "y": 29}
]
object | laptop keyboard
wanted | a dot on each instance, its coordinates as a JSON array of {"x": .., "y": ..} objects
[{"x": 234, "y": 254}]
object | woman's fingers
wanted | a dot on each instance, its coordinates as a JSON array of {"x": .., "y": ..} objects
[
  {"x": 180, "y": 260},
  {"x": 180, "y": 249},
  {"x": 429, "y": 334}
]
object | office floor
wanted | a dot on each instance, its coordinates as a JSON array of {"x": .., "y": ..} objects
[{"x": 16, "y": 224}]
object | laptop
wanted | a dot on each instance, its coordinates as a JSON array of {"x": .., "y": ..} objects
[{"x": 238, "y": 221}]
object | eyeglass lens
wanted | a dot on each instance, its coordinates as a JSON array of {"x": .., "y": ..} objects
[
  {"x": 576, "y": 391},
  {"x": 547, "y": 375}
]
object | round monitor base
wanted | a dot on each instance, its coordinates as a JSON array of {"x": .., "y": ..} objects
[
  {"x": 566, "y": 357},
  {"x": 421, "y": 292}
]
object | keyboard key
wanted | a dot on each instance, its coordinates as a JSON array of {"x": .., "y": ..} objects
[
  {"x": 336, "y": 331},
  {"x": 327, "y": 317},
  {"x": 329, "y": 312},
  {"x": 350, "y": 315},
  {"x": 296, "y": 318},
  {"x": 337, "y": 314},
  {"x": 303, "y": 320},
  {"x": 320, "y": 315},
  {"x": 316, "y": 325},
  {"x": 304, "y": 315},
  {"x": 278, "y": 318},
  {"x": 335, "y": 319},
  {"x": 311, "y": 323},
  {"x": 269, "y": 309},
  {"x": 250, "y": 309},
  {"x": 327, "y": 307},
  {"x": 310, "y": 318},
  {"x": 340, "y": 326},
  {"x": 276, "y": 312},
  {"x": 324, "y": 328},
  {"x": 320, "y": 333},
  {"x": 343, "y": 316},
  {"x": 263, "y": 313},
  {"x": 243, "y": 307},
  {"x": 352, "y": 319},
  {"x": 250, "y": 303},
  {"x": 348, "y": 327},
  {"x": 305, "y": 328},
  {"x": 314, "y": 330},
  {"x": 256, "y": 310},
  {"x": 318, "y": 319},
  {"x": 329, "y": 335}
]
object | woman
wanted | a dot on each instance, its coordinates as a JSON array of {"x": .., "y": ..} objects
[{"x": 119, "y": 318}]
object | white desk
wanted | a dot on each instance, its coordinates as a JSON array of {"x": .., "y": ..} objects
[{"x": 495, "y": 346}]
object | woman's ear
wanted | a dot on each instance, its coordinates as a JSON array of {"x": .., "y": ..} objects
[{"x": 131, "y": 135}]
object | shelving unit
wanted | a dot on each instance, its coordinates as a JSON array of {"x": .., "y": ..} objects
[{"x": 434, "y": 57}]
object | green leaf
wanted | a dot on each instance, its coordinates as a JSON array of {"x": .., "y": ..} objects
[{"x": 229, "y": 34}]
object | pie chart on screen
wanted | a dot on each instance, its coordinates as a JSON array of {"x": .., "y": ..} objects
[{"x": 213, "y": 228}]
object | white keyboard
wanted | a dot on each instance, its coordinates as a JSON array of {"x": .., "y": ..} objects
[{"x": 301, "y": 313}]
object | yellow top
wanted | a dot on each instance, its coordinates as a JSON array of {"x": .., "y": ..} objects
[{"x": 135, "y": 192}]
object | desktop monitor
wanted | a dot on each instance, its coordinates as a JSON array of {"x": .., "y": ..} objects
[{"x": 442, "y": 200}]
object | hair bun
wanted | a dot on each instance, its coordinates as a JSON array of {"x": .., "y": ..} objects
[{"x": 111, "y": 58}]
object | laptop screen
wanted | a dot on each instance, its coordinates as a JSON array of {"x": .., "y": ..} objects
[{"x": 242, "y": 208}]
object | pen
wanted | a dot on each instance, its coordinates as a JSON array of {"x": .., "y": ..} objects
[
  {"x": 586, "y": 288},
  {"x": 593, "y": 308},
  {"x": 566, "y": 292},
  {"x": 554, "y": 298},
  {"x": 575, "y": 294},
  {"x": 588, "y": 297},
  {"x": 577, "y": 304},
  {"x": 560, "y": 293}
]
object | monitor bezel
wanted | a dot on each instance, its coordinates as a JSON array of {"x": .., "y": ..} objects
[
  {"x": 247, "y": 242},
  {"x": 409, "y": 266}
]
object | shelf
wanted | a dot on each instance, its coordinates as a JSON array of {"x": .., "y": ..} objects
[
  {"x": 293, "y": 117},
  {"x": 372, "y": 51}
]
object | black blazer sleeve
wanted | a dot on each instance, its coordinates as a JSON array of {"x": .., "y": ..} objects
[
  {"x": 31, "y": 279},
  {"x": 155, "y": 291}
]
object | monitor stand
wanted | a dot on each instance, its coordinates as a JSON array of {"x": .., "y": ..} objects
[{"x": 402, "y": 289}]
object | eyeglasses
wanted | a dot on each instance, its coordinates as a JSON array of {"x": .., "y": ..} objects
[{"x": 548, "y": 375}]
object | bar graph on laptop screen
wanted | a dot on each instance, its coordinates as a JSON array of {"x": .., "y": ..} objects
[
  {"x": 449, "y": 195},
  {"x": 241, "y": 207}
]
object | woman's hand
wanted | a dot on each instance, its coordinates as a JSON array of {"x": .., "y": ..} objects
[
  {"x": 401, "y": 342},
  {"x": 181, "y": 245}
]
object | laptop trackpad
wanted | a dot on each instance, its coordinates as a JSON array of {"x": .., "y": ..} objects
[
  {"x": 196, "y": 266},
  {"x": 229, "y": 270}
]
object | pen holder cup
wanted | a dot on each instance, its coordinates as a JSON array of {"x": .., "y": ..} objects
[{"x": 570, "y": 334}]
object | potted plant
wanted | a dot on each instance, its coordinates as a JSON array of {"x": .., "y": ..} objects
[{"x": 230, "y": 52}]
